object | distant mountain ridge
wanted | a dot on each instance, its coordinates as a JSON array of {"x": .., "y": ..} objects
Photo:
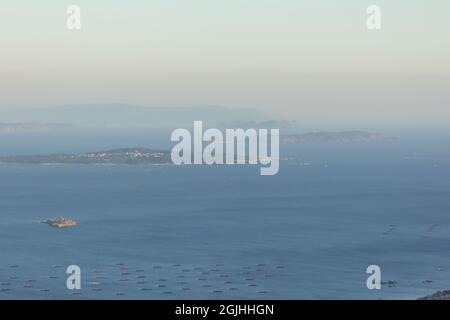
[
  {"x": 31, "y": 127},
  {"x": 127, "y": 115},
  {"x": 266, "y": 124}
]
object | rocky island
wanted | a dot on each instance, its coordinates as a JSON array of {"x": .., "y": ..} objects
[
  {"x": 116, "y": 156},
  {"x": 61, "y": 223},
  {"x": 439, "y": 295}
]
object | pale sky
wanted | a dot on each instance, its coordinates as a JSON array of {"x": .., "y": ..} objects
[{"x": 313, "y": 60}]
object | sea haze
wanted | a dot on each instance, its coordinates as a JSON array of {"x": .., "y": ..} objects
[{"x": 225, "y": 231}]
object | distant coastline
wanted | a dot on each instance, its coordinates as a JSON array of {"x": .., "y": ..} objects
[
  {"x": 151, "y": 156},
  {"x": 33, "y": 127},
  {"x": 109, "y": 157}
]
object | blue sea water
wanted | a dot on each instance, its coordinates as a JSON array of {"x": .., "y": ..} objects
[{"x": 223, "y": 232}]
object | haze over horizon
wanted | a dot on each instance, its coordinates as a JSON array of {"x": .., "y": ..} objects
[{"x": 312, "y": 61}]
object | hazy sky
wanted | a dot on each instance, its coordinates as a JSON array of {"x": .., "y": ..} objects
[{"x": 312, "y": 60}]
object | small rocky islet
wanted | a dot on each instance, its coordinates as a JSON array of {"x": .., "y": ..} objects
[
  {"x": 61, "y": 223},
  {"x": 438, "y": 295}
]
